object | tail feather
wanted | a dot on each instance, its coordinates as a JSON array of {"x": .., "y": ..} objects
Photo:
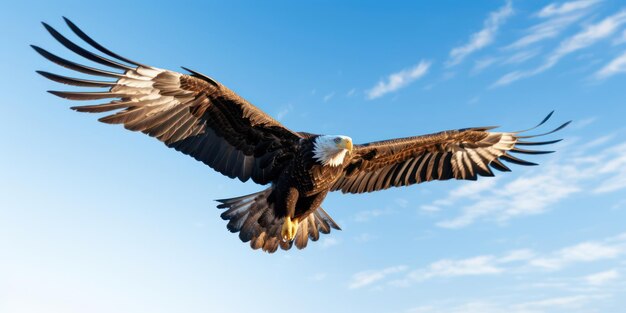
[
  {"x": 326, "y": 220},
  {"x": 253, "y": 217}
]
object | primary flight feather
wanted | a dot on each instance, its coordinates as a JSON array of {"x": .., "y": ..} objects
[{"x": 202, "y": 118}]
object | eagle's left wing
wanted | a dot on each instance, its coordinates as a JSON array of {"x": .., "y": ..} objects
[
  {"x": 460, "y": 154},
  {"x": 193, "y": 114}
]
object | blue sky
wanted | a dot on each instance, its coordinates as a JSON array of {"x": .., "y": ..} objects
[{"x": 94, "y": 218}]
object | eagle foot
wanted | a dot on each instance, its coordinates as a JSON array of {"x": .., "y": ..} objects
[{"x": 288, "y": 232}]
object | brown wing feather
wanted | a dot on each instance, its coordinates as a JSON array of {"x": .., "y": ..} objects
[
  {"x": 191, "y": 113},
  {"x": 460, "y": 154}
]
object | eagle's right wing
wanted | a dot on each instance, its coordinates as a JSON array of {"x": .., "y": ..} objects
[
  {"x": 460, "y": 154},
  {"x": 191, "y": 113}
]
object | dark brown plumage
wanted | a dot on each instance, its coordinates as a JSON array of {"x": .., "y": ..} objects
[
  {"x": 202, "y": 118},
  {"x": 460, "y": 154}
]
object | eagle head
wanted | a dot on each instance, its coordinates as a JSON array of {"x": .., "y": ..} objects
[{"x": 331, "y": 150}]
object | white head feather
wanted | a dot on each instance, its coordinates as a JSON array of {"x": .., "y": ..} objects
[{"x": 331, "y": 150}]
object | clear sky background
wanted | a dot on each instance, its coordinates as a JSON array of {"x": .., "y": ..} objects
[{"x": 94, "y": 218}]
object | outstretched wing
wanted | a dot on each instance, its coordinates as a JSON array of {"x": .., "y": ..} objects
[
  {"x": 191, "y": 113},
  {"x": 460, "y": 154}
]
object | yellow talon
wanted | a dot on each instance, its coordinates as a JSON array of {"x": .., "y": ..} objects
[{"x": 289, "y": 229}]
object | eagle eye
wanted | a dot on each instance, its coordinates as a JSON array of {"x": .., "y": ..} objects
[{"x": 337, "y": 140}]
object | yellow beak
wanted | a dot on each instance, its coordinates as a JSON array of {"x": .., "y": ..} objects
[{"x": 346, "y": 144}]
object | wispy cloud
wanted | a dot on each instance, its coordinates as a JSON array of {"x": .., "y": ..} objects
[
  {"x": 612, "y": 168},
  {"x": 364, "y": 237},
  {"x": 283, "y": 112},
  {"x": 524, "y": 196},
  {"x": 482, "y": 38},
  {"x": 582, "y": 123},
  {"x": 565, "y": 8},
  {"x": 367, "y": 215},
  {"x": 555, "y": 18},
  {"x": 593, "y": 171},
  {"x": 517, "y": 255},
  {"x": 617, "y": 65},
  {"x": 430, "y": 208},
  {"x": 521, "y": 56},
  {"x": 520, "y": 261},
  {"x": 329, "y": 96},
  {"x": 583, "y": 252},
  {"x": 511, "y": 77},
  {"x": 401, "y": 202},
  {"x": 481, "y": 64},
  {"x": 583, "y": 39},
  {"x": 468, "y": 190},
  {"x": 318, "y": 276},
  {"x": 568, "y": 302},
  {"x": 473, "y": 100},
  {"x": 480, "y": 265},
  {"x": 398, "y": 80},
  {"x": 590, "y": 35},
  {"x": 367, "y": 278},
  {"x": 602, "y": 278},
  {"x": 545, "y": 30},
  {"x": 328, "y": 242},
  {"x": 543, "y": 305}
]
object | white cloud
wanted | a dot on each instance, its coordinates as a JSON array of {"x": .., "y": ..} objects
[
  {"x": 401, "y": 202},
  {"x": 480, "y": 265},
  {"x": 580, "y": 124},
  {"x": 526, "y": 195},
  {"x": 590, "y": 35},
  {"x": 398, "y": 80},
  {"x": 469, "y": 307},
  {"x": 365, "y": 216},
  {"x": 482, "y": 38},
  {"x": 583, "y": 39},
  {"x": 517, "y": 256},
  {"x": 283, "y": 112},
  {"x": 615, "y": 167},
  {"x": 565, "y": 8},
  {"x": 469, "y": 190},
  {"x": 583, "y": 252},
  {"x": 617, "y": 65},
  {"x": 511, "y": 77},
  {"x": 473, "y": 100},
  {"x": 367, "y": 278},
  {"x": 429, "y": 208},
  {"x": 364, "y": 237},
  {"x": 545, "y": 305},
  {"x": 328, "y": 242},
  {"x": 602, "y": 278},
  {"x": 318, "y": 276},
  {"x": 472, "y": 189},
  {"x": 571, "y": 302},
  {"x": 590, "y": 169},
  {"x": 521, "y": 57},
  {"x": 545, "y": 30},
  {"x": 329, "y": 96},
  {"x": 519, "y": 262},
  {"x": 480, "y": 65}
]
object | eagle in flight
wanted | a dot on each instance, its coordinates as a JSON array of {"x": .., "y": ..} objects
[{"x": 202, "y": 118}]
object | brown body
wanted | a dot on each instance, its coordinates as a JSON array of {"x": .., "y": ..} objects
[{"x": 304, "y": 183}]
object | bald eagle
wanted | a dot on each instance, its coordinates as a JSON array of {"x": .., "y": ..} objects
[{"x": 202, "y": 118}]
